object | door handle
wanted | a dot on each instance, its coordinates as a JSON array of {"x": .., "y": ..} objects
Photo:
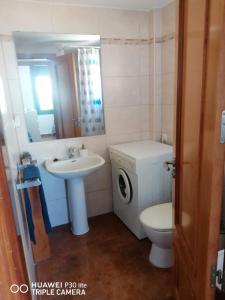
[
  {"x": 222, "y": 128},
  {"x": 76, "y": 121}
]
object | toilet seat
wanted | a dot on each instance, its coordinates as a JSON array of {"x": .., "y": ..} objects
[{"x": 158, "y": 217}]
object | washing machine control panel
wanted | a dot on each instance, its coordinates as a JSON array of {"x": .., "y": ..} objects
[{"x": 124, "y": 162}]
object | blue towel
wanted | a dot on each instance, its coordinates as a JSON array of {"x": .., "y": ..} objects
[
  {"x": 29, "y": 216},
  {"x": 32, "y": 172}
]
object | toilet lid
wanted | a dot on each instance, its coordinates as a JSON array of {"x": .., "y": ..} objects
[{"x": 159, "y": 217}]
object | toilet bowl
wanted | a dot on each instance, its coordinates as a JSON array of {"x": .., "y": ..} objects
[{"x": 157, "y": 222}]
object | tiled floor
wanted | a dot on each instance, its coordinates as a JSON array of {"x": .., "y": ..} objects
[{"x": 110, "y": 259}]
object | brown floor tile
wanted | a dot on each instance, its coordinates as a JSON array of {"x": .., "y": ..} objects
[{"x": 110, "y": 259}]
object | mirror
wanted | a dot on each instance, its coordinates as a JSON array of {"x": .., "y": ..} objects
[{"x": 60, "y": 77}]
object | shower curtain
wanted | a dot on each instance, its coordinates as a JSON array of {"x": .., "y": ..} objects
[{"x": 90, "y": 92}]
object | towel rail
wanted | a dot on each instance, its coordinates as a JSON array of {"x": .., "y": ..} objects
[{"x": 26, "y": 184}]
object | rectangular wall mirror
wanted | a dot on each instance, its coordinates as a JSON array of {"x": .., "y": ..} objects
[{"x": 60, "y": 77}]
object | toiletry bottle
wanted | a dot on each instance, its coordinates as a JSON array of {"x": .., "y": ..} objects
[
  {"x": 83, "y": 151},
  {"x": 26, "y": 158}
]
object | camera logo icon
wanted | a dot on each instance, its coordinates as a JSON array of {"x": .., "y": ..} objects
[{"x": 15, "y": 288}]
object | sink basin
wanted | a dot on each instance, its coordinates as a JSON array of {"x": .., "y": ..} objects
[
  {"x": 73, "y": 171},
  {"x": 75, "y": 167}
]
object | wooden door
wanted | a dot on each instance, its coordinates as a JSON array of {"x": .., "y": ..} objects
[
  {"x": 199, "y": 154},
  {"x": 66, "y": 108},
  {"x": 12, "y": 263}
]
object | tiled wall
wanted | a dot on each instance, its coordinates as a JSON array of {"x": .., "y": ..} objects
[
  {"x": 125, "y": 88},
  {"x": 162, "y": 72},
  {"x": 168, "y": 70},
  {"x": 132, "y": 87}
]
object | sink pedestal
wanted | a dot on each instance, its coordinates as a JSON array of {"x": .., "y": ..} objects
[
  {"x": 77, "y": 206},
  {"x": 74, "y": 170}
]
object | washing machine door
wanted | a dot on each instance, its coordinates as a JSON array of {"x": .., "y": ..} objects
[{"x": 124, "y": 186}]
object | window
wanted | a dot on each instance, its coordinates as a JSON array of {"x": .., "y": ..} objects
[{"x": 42, "y": 89}]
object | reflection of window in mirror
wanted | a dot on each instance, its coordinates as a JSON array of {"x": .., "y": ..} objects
[
  {"x": 37, "y": 91},
  {"x": 42, "y": 89}
]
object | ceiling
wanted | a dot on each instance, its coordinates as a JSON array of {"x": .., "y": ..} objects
[{"x": 142, "y": 5}]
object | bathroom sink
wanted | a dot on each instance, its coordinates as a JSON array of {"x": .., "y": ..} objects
[
  {"x": 75, "y": 167},
  {"x": 73, "y": 171}
]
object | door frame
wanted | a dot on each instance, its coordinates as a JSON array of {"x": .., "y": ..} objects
[
  {"x": 12, "y": 262},
  {"x": 212, "y": 159}
]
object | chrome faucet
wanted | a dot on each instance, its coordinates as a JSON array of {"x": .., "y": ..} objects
[{"x": 73, "y": 151}]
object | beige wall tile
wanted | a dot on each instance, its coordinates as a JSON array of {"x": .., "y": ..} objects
[
  {"x": 157, "y": 118},
  {"x": 123, "y": 138},
  {"x": 168, "y": 72},
  {"x": 152, "y": 89},
  {"x": 158, "y": 59},
  {"x": 120, "y": 24},
  {"x": 168, "y": 56},
  {"x": 145, "y": 60},
  {"x": 151, "y": 24},
  {"x": 121, "y": 91},
  {"x": 157, "y": 89},
  {"x": 16, "y": 96},
  {"x": 167, "y": 118},
  {"x": 157, "y": 136},
  {"x": 101, "y": 180},
  {"x": 120, "y": 60},
  {"x": 151, "y": 59},
  {"x": 169, "y": 18},
  {"x": 99, "y": 202},
  {"x": 146, "y": 89},
  {"x": 168, "y": 91},
  {"x": 72, "y": 19},
  {"x": 25, "y": 16},
  {"x": 146, "y": 136},
  {"x": 145, "y": 118},
  {"x": 146, "y": 28},
  {"x": 151, "y": 117},
  {"x": 157, "y": 22},
  {"x": 5, "y": 103},
  {"x": 9, "y": 55},
  {"x": 122, "y": 120}
]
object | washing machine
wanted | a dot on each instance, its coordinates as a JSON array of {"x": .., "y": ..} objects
[{"x": 139, "y": 180}]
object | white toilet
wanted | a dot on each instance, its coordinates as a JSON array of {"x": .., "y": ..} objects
[{"x": 157, "y": 222}]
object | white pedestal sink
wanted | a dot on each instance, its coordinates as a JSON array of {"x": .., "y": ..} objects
[{"x": 73, "y": 170}]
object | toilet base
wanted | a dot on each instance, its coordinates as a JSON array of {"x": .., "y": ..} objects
[{"x": 161, "y": 258}]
